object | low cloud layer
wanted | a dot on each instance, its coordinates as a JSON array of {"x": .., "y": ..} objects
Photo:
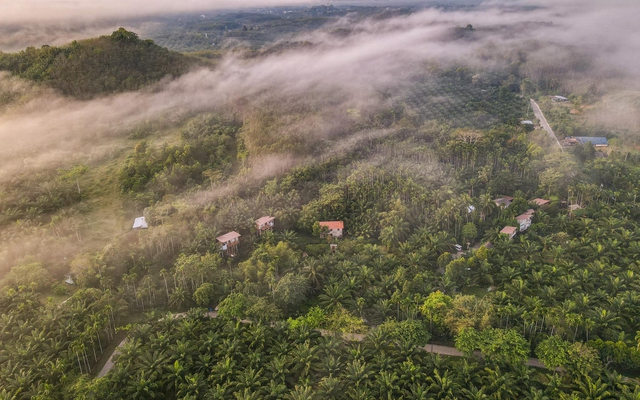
[
  {"x": 341, "y": 71},
  {"x": 90, "y": 10}
]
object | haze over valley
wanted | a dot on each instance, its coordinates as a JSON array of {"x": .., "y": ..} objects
[{"x": 458, "y": 174}]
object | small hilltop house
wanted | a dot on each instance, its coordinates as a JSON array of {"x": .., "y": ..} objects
[
  {"x": 140, "y": 223},
  {"x": 510, "y": 231},
  {"x": 229, "y": 243},
  {"x": 504, "y": 201},
  {"x": 264, "y": 224},
  {"x": 335, "y": 228},
  {"x": 540, "y": 202}
]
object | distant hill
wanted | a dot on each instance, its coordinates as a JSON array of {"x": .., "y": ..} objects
[{"x": 87, "y": 68}]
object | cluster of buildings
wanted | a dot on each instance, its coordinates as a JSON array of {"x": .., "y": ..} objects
[
  {"x": 229, "y": 241},
  {"x": 524, "y": 220}
]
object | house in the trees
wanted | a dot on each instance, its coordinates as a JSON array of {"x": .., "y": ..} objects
[
  {"x": 140, "y": 223},
  {"x": 504, "y": 201},
  {"x": 524, "y": 220},
  {"x": 335, "y": 228},
  {"x": 541, "y": 202},
  {"x": 510, "y": 231},
  {"x": 264, "y": 224},
  {"x": 559, "y": 98},
  {"x": 229, "y": 243}
]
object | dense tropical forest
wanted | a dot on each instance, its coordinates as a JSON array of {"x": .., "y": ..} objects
[{"x": 422, "y": 295}]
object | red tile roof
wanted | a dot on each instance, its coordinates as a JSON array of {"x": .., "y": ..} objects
[
  {"x": 509, "y": 230},
  {"x": 522, "y": 217},
  {"x": 264, "y": 220},
  {"x": 228, "y": 237},
  {"x": 332, "y": 224}
]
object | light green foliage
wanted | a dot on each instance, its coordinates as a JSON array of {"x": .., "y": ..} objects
[
  {"x": 205, "y": 295},
  {"x": 495, "y": 344},
  {"x": 269, "y": 262},
  {"x": 467, "y": 311},
  {"x": 456, "y": 270},
  {"x": 554, "y": 352},
  {"x": 341, "y": 320},
  {"x": 233, "y": 306},
  {"x": 435, "y": 308},
  {"x": 29, "y": 275},
  {"x": 314, "y": 318},
  {"x": 410, "y": 331},
  {"x": 469, "y": 231}
]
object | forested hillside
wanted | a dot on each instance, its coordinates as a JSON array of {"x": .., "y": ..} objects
[
  {"x": 87, "y": 68},
  {"x": 429, "y": 240}
]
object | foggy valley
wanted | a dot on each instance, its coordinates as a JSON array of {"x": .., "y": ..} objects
[{"x": 450, "y": 189}]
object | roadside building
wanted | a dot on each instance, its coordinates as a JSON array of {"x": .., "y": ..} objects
[
  {"x": 510, "y": 231},
  {"x": 559, "y": 98},
  {"x": 265, "y": 224},
  {"x": 335, "y": 228},
  {"x": 229, "y": 243},
  {"x": 596, "y": 141}
]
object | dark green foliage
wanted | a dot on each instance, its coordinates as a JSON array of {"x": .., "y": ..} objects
[
  {"x": 87, "y": 68},
  {"x": 198, "y": 357},
  {"x": 45, "y": 345}
]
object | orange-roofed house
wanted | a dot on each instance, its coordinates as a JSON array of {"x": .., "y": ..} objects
[
  {"x": 264, "y": 224},
  {"x": 335, "y": 227},
  {"x": 229, "y": 243},
  {"x": 509, "y": 230},
  {"x": 541, "y": 202},
  {"x": 524, "y": 220}
]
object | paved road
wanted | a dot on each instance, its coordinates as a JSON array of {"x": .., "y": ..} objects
[
  {"x": 543, "y": 121},
  {"x": 109, "y": 364},
  {"x": 430, "y": 348}
]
